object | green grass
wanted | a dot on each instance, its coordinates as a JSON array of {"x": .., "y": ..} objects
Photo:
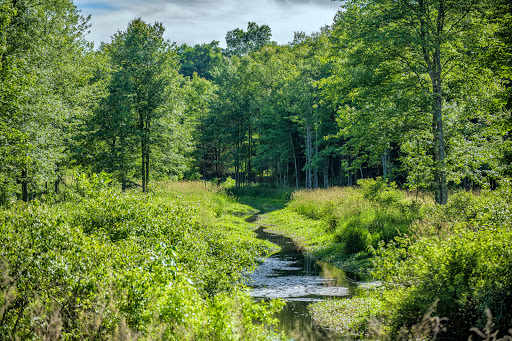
[
  {"x": 262, "y": 197},
  {"x": 346, "y": 316}
]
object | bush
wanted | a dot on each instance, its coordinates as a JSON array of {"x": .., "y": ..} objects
[
  {"x": 468, "y": 272},
  {"x": 122, "y": 266},
  {"x": 380, "y": 191},
  {"x": 354, "y": 239}
]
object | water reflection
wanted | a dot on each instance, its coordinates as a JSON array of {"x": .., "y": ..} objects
[
  {"x": 299, "y": 280},
  {"x": 296, "y": 324}
]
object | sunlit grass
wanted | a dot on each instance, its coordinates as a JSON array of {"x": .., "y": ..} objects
[
  {"x": 210, "y": 200},
  {"x": 346, "y": 316}
]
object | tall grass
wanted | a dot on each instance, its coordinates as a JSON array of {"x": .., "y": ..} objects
[
  {"x": 359, "y": 218},
  {"x": 455, "y": 255}
]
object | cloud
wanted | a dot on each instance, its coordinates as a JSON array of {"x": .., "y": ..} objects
[
  {"x": 98, "y": 6},
  {"x": 201, "y": 21}
]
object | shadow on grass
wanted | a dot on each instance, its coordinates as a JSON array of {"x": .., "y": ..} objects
[
  {"x": 263, "y": 198},
  {"x": 356, "y": 266}
]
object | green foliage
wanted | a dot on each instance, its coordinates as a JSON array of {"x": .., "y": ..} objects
[
  {"x": 467, "y": 269},
  {"x": 125, "y": 265},
  {"x": 353, "y": 238},
  {"x": 199, "y": 59},
  {"x": 456, "y": 255},
  {"x": 359, "y": 219},
  {"x": 46, "y": 84},
  {"x": 380, "y": 191},
  {"x": 468, "y": 273},
  {"x": 346, "y": 316},
  {"x": 240, "y": 43}
]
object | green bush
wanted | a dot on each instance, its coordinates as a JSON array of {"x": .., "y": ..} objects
[
  {"x": 354, "y": 239},
  {"x": 110, "y": 265},
  {"x": 380, "y": 191},
  {"x": 468, "y": 272}
]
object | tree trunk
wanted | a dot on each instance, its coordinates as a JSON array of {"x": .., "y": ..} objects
[
  {"x": 122, "y": 164},
  {"x": 24, "y": 185},
  {"x": 385, "y": 163},
  {"x": 57, "y": 181},
  {"x": 315, "y": 173},
  {"x": 437, "y": 122},
  {"x": 295, "y": 163},
  {"x": 349, "y": 175},
  {"x": 341, "y": 172},
  {"x": 435, "y": 71},
  {"x": 249, "y": 166},
  {"x": 440, "y": 154},
  {"x": 326, "y": 173},
  {"x": 309, "y": 156},
  {"x": 142, "y": 151},
  {"x": 148, "y": 150}
]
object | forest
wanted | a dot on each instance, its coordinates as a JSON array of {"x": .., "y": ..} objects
[
  {"x": 416, "y": 93},
  {"x": 405, "y": 105}
]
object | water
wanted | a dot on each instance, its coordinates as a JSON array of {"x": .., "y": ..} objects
[{"x": 300, "y": 281}]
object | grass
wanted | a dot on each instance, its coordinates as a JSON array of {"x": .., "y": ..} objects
[
  {"x": 211, "y": 201},
  {"x": 346, "y": 316},
  {"x": 262, "y": 197},
  {"x": 342, "y": 225}
]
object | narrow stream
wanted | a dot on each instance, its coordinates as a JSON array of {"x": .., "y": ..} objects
[{"x": 300, "y": 281}]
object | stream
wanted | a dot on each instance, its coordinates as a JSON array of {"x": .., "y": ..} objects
[{"x": 298, "y": 280}]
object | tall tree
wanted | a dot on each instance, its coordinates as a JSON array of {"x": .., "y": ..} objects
[
  {"x": 44, "y": 48},
  {"x": 425, "y": 38},
  {"x": 147, "y": 61},
  {"x": 240, "y": 42}
]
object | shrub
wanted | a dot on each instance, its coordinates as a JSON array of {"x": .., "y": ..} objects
[
  {"x": 354, "y": 239},
  {"x": 380, "y": 191},
  {"x": 468, "y": 272},
  {"x": 121, "y": 264}
]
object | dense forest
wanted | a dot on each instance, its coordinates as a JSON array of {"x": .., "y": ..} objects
[
  {"x": 404, "y": 104},
  {"x": 416, "y": 92}
]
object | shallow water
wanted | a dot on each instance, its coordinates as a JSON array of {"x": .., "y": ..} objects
[{"x": 300, "y": 281}]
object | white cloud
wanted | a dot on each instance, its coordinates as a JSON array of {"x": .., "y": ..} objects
[{"x": 201, "y": 21}]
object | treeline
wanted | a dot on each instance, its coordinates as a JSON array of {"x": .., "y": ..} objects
[
  {"x": 65, "y": 106},
  {"x": 416, "y": 92}
]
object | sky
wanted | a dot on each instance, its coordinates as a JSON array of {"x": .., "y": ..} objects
[{"x": 201, "y": 21}]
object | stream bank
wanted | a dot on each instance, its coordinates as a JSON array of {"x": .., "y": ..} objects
[{"x": 299, "y": 280}]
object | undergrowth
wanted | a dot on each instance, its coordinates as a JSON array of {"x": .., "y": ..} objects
[
  {"x": 106, "y": 265},
  {"x": 457, "y": 255}
]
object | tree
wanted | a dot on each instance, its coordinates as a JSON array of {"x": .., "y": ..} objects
[
  {"x": 12, "y": 96},
  {"x": 240, "y": 43},
  {"x": 113, "y": 124},
  {"x": 424, "y": 39},
  {"x": 235, "y": 109},
  {"x": 198, "y": 98},
  {"x": 44, "y": 49},
  {"x": 148, "y": 62},
  {"x": 200, "y": 59}
]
